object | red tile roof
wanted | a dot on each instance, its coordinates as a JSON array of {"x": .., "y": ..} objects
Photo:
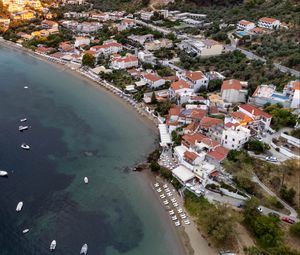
[
  {"x": 152, "y": 77},
  {"x": 296, "y": 85},
  {"x": 208, "y": 122},
  {"x": 245, "y": 22},
  {"x": 198, "y": 113},
  {"x": 181, "y": 84},
  {"x": 191, "y": 139},
  {"x": 267, "y": 20},
  {"x": 194, "y": 76},
  {"x": 231, "y": 84},
  {"x": 219, "y": 154},
  {"x": 174, "y": 111},
  {"x": 255, "y": 111},
  {"x": 190, "y": 155}
]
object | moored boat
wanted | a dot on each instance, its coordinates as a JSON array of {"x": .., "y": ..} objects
[
  {"x": 19, "y": 206},
  {"x": 53, "y": 245},
  {"x": 21, "y": 128},
  {"x": 3, "y": 173},
  {"x": 25, "y": 231},
  {"x": 25, "y": 146},
  {"x": 84, "y": 249},
  {"x": 86, "y": 180},
  {"x": 23, "y": 120}
]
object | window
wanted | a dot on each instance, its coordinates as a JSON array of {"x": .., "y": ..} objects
[{"x": 225, "y": 136}]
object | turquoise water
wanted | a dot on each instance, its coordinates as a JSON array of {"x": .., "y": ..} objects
[{"x": 76, "y": 130}]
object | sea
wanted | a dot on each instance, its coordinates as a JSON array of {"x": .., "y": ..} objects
[{"x": 75, "y": 130}]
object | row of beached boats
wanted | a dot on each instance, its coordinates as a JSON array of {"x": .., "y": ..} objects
[{"x": 83, "y": 251}]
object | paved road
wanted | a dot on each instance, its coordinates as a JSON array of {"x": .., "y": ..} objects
[{"x": 293, "y": 212}]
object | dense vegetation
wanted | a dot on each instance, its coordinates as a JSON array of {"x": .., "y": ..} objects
[
  {"x": 236, "y": 65},
  {"x": 128, "y": 5}
]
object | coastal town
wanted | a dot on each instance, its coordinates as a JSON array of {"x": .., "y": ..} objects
[{"x": 226, "y": 135}]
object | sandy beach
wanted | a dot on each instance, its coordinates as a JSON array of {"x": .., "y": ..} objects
[{"x": 190, "y": 240}]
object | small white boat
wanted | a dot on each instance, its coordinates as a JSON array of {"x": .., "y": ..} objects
[
  {"x": 25, "y": 87},
  {"x": 21, "y": 128},
  {"x": 25, "y": 231},
  {"x": 19, "y": 206},
  {"x": 53, "y": 245},
  {"x": 3, "y": 173},
  {"x": 84, "y": 249},
  {"x": 23, "y": 120},
  {"x": 25, "y": 146},
  {"x": 86, "y": 180}
]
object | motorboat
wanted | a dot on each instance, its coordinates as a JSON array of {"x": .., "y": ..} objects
[
  {"x": 3, "y": 173},
  {"x": 86, "y": 180},
  {"x": 25, "y": 231},
  {"x": 53, "y": 245},
  {"x": 25, "y": 146},
  {"x": 21, "y": 128},
  {"x": 23, "y": 120},
  {"x": 84, "y": 249},
  {"x": 25, "y": 87},
  {"x": 19, "y": 206}
]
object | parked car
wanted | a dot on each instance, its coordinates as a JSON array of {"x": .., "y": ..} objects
[
  {"x": 272, "y": 159},
  {"x": 288, "y": 220}
]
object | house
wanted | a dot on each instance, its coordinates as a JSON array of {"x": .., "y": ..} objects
[
  {"x": 201, "y": 48},
  {"x": 44, "y": 50},
  {"x": 267, "y": 94},
  {"x": 49, "y": 24},
  {"x": 292, "y": 90},
  {"x": 234, "y": 138},
  {"x": 146, "y": 15},
  {"x": 79, "y": 40},
  {"x": 66, "y": 47},
  {"x": 126, "y": 24},
  {"x": 268, "y": 23},
  {"x": 158, "y": 44},
  {"x": 261, "y": 119},
  {"x": 181, "y": 90},
  {"x": 232, "y": 91},
  {"x": 125, "y": 62},
  {"x": 245, "y": 25},
  {"x": 88, "y": 27},
  {"x": 196, "y": 79},
  {"x": 161, "y": 95},
  {"x": 24, "y": 15},
  {"x": 153, "y": 80},
  {"x": 146, "y": 56},
  {"x": 107, "y": 48},
  {"x": 217, "y": 156},
  {"x": 100, "y": 16},
  {"x": 140, "y": 39},
  {"x": 212, "y": 127}
]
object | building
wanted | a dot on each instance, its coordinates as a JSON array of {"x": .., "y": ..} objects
[
  {"x": 153, "y": 80},
  {"x": 146, "y": 15},
  {"x": 146, "y": 56},
  {"x": 181, "y": 90},
  {"x": 268, "y": 23},
  {"x": 201, "y": 48},
  {"x": 234, "y": 138},
  {"x": 292, "y": 90},
  {"x": 49, "y": 24},
  {"x": 88, "y": 27},
  {"x": 128, "y": 61},
  {"x": 232, "y": 91},
  {"x": 158, "y": 44},
  {"x": 101, "y": 16},
  {"x": 212, "y": 127},
  {"x": 267, "y": 94},
  {"x": 196, "y": 79},
  {"x": 245, "y": 25},
  {"x": 261, "y": 120},
  {"x": 140, "y": 39},
  {"x": 160, "y": 95},
  {"x": 126, "y": 24},
  {"x": 107, "y": 48},
  {"x": 79, "y": 40}
]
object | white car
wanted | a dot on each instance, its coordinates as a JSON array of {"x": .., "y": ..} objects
[
  {"x": 156, "y": 185},
  {"x": 180, "y": 210},
  {"x": 173, "y": 200},
  {"x": 187, "y": 222},
  {"x": 165, "y": 186},
  {"x": 171, "y": 212},
  {"x": 175, "y": 204},
  {"x": 166, "y": 202},
  {"x": 183, "y": 216},
  {"x": 167, "y": 190},
  {"x": 159, "y": 190},
  {"x": 162, "y": 196},
  {"x": 272, "y": 159},
  {"x": 177, "y": 223},
  {"x": 169, "y": 194},
  {"x": 174, "y": 217}
]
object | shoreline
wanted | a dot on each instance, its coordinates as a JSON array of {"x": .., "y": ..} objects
[{"x": 181, "y": 234}]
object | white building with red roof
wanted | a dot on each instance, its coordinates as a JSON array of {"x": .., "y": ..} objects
[
  {"x": 153, "y": 80},
  {"x": 196, "y": 79},
  {"x": 126, "y": 24},
  {"x": 232, "y": 91},
  {"x": 181, "y": 90},
  {"x": 107, "y": 48},
  {"x": 79, "y": 40},
  {"x": 261, "y": 119},
  {"x": 245, "y": 25},
  {"x": 125, "y": 62},
  {"x": 269, "y": 23},
  {"x": 234, "y": 138}
]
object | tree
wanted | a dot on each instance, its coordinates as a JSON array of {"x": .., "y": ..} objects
[
  {"x": 153, "y": 98},
  {"x": 287, "y": 194},
  {"x": 295, "y": 229},
  {"x": 214, "y": 85},
  {"x": 88, "y": 60},
  {"x": 256, "y": 146},
  {"x": 176, "y": 138}
]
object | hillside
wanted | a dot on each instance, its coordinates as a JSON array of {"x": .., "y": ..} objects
[{"x": 125, "y": 5}]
